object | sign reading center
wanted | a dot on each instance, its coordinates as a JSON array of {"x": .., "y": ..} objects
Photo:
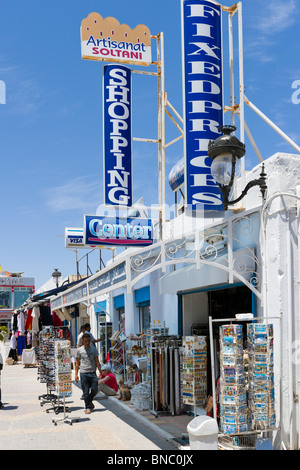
[
  {"x": 203, "y": 99},
  {"x": 104, "y": 230},
  {"x": 117, "y": 135}
]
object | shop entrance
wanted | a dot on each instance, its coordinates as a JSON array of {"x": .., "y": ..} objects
[{"x": 195, "y": 307}]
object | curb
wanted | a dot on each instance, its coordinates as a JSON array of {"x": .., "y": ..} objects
[{"x": 145, "y": 421}]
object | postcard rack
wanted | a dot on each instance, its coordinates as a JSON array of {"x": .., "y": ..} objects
[
  {"x": 63, "y": 378},
  {"x": 194, "y": 370},
  {"x": 45, "y": 361},
  {"x": 246, "y": 384}
]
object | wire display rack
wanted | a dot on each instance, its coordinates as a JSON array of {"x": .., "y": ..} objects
[{"x": 246, "y": 440}]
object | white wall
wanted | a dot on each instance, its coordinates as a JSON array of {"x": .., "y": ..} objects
[
  {"x": 195, "y": 310},
  {"x": 280, "y": 284}
]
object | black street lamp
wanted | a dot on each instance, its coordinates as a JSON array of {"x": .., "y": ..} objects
[
  {"x": 56, "y": 275},
  {"x": 225, "y": 152}
]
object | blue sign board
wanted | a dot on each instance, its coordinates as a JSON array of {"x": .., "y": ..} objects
[
  {"x": 176, "y": 175},
  {"x": 117, "y": 135},
  {"x": 203, "y": 99},
  {"x": 104, "y": 230}
]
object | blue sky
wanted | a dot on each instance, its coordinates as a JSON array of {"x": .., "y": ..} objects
[{"x": 51, "y": 124}]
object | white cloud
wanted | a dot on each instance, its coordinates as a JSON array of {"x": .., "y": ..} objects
[
  {"x": 277, "y": 16},
  {"x": 81, "y": 194}
]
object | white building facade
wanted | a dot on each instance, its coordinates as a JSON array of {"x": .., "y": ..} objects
[{"x": 248, "y": 261}]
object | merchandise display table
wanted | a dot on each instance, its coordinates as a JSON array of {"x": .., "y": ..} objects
[{"x": 28, "y": 357}]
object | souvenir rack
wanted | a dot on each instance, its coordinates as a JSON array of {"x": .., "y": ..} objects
[
  {"x": 63, "y": 377},
  {"x": 166, "y": 374},
  {"x": 194, "y": 370},
  {"x": 45, "y": 361},
  {"x": 250, "y": 434},
  {"x": 118, "y": 353}
]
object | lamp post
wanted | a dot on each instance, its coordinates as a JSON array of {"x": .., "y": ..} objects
[
  {"x": 56, "y": 275},
  {"x": 225, "y": 152}
]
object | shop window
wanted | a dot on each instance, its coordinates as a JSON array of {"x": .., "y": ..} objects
[
  {"x": 5, "y": 297},
  {"x": 21, "y": 294},
  {"x": 121, "y": 313},
  {"x": 142, "y": 299},
  {"x": 144, "y": 318},
  {"x": 119, "y": 306}
]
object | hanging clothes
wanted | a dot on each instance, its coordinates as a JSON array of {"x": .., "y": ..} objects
[
  {"x": 56, "y": 320},
  {"x": 21, "y": 344},
  {"x": 28, "y": 340},
  {"x": 21, "y": 323},
  {"x": 35, "y": 319},
  {"x": 15, "y": 322},
  {"x": 28, "y": 323},
  {"x": 60, "y": 315},
  {"x": 45, "y": 315}
]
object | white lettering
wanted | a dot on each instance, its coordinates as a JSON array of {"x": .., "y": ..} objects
[
  {"x": 203, "y": 161},
  {"x": 204, "y": 106},
  {"x": 203, "y": 179},
  {"x": 121, "y": 177},
  {"x": 204, "y": 112},
  {"x": 203, "y": 46},
  {"x": 203, "y": 11},
  {"x": 124, "y": 110},
  {"x": 115, "y": 73},
  {"x": 203, "y": 30},
  {"x": 207, "y": 198},
  {"x": 118, "y": 125},
  {"x": 203, "y": 145},
  {"x": 118, "y": 142},
  {"x": 119, "y": 163},
  {"x": 205, "y": 68},
  {"x": 199, "y": 125},
  {"x": 115, "y": 90},
  {"x": 205, "y": 86},
  {"x": 123, "y": 198}
]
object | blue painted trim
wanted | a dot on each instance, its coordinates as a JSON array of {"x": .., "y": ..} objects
[{"x": 142, "y": 296}]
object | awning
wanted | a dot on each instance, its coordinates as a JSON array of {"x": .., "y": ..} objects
[
  {"x": 50, "y": 293},
  {"x": 189, "y": 277}
]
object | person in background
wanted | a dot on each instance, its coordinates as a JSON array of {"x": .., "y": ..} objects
[
  {"x": 108, "y": 384},
  {"x": 1, "y": 367},
  {"x": 88, "y": 362},
  {"x": 79, "y": 337},
  {"x": 13, "y": 347},
  {"x": 88, "y": 330}
]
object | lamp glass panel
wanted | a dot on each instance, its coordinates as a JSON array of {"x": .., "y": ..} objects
[{"x": 221, "y": 168}]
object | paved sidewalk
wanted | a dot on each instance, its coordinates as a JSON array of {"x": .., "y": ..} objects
[{"x": 25, "y": 424}]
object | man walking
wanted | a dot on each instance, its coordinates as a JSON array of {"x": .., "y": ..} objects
[{"x": 87, "y": 361}]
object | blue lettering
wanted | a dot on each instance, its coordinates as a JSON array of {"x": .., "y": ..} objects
[{"x": 92, "y": 40}]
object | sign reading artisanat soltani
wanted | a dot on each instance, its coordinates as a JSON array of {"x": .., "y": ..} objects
[{"x": 108, "y": 40}]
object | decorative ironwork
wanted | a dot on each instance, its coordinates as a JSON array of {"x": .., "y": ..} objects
[{"x": 232, "y": 246}]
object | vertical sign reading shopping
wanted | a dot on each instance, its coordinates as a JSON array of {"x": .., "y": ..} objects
[
  {"x": 203, "y": 99},
  {"x": 117, "y": 135}
]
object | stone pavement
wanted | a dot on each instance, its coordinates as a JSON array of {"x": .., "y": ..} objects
[{"x": 113, "y": 425}]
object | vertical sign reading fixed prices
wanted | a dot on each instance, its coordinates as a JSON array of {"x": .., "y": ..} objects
[
  {"x": 117, "y": 135},
  {"x": 202, "y": 98}
]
